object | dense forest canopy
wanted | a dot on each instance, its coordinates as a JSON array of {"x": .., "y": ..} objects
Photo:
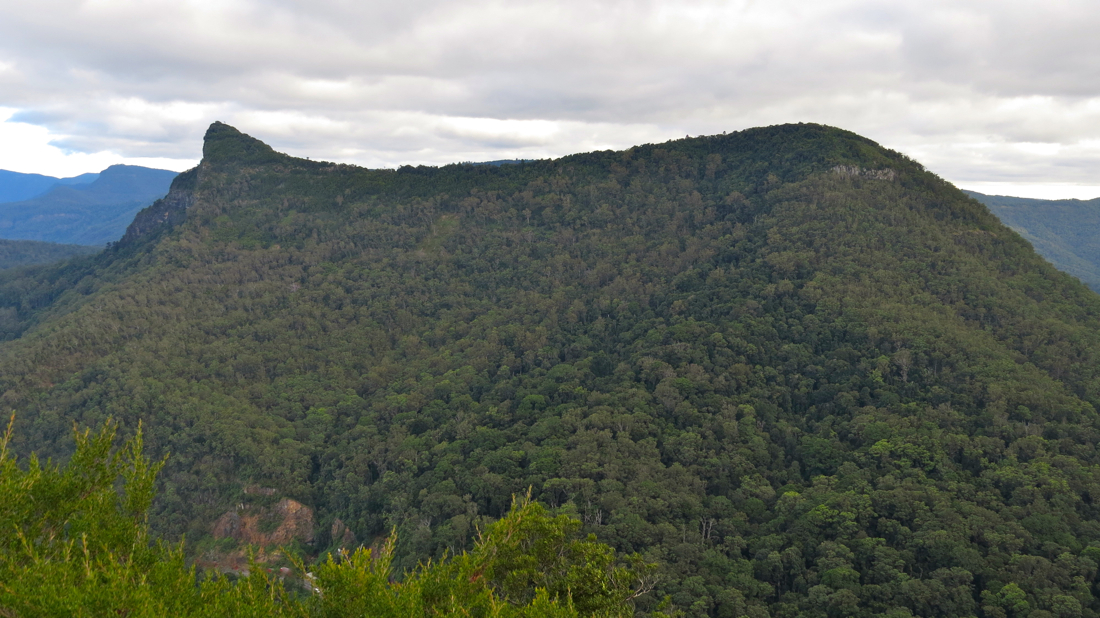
[
  {"x": 799, "y": 372},
  {"x": 72, "y": 544},
  {"x": 26, "y": 252}
]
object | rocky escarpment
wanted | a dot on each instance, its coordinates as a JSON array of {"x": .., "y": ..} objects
[
  {"x": 167, "y": 211},
  {"x": 277, "y": 525},
  {"x": 854, "y": 171},
  {"x": 223, "y": 147},
  {"x": 342, "y": 536}
]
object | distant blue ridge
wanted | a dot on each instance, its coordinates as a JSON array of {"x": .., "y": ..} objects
[
  {"x": 1062, "y": 231},
  {"x": 501, "y": 162},
  {"x": 16, "y": 186},
  {"x": 91, "y": 209}
]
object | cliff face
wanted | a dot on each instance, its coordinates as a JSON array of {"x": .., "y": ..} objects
[
  {"x": 167, "y": 211},
  {"x": 225, "y": 150},
  {"x": 266, "y": 527}
]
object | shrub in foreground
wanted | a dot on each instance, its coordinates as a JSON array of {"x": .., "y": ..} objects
[{"x": 73, "y": 544}]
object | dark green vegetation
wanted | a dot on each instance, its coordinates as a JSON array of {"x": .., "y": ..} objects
[
  {"x": 25, "y": 252},
  {"x": 92, "y": 214},
  {"x": 15, "y": 186},
  {"x": 799, "y": 372},
  {"x": 1066, "y": 232},
  {"x": 71, "y": 545}
]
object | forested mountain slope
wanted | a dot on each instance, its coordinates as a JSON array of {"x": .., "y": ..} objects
[
  {"x": 803, "y": 374},
  {"x": 1066, "y": 232},
  {"x": 25, "y": 252}
]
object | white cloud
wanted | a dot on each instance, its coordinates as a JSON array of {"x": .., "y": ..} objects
[
  {"x": 978, "y": 91},
  {"x": 29, "y": 149}
]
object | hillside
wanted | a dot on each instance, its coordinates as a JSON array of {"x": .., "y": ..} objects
[
  {"x": 801, "y": 373},
  {"x": 16, "y": 186},
  {"x": 1063, "y": 231},
  {"x": 26, "y": 252},
  {"x": 90, "y": 214}
]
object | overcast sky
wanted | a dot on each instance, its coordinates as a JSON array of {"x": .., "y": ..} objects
[{"x": 1000, "y": 96}]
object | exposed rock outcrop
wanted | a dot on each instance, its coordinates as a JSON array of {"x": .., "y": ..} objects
[
  {"x": 276, "y": 525},
  {"x": 856, "y": 171},
  {"x": 167, "y": 211},
  {"x": 341, "y": 534}
]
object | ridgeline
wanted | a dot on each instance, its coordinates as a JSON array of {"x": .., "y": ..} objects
[
  {"x": 1062, "y": 231},
  {"x": 799, "y": 372},
  {"x": 92, "y": 213}
]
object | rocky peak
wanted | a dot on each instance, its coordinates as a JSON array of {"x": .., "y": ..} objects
[{"x": 224, "y": 144}]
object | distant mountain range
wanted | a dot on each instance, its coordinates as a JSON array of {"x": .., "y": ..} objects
[
  {"x": 500, "y": 162},
  {"x": 1062, "y": 231},
  {"x": 15, "y": 186},
  {"x": 92, "y": 209}
]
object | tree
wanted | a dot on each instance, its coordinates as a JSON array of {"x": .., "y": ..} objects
[{"x": 72, "y": 544}]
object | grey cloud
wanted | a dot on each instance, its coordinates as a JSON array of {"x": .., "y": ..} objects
[{"x": 389, "y": 83}]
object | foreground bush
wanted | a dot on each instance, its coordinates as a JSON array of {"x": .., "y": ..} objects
[{"x": 72, "y": 544}]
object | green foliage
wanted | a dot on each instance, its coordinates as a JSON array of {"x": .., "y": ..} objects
[
  {"x": 528, "y": 554},
  {"x": 800, "y": 373},
  {"x": 70, "y": 544},
  {"x": 26, "y": 252},
  {"x": 74, "y": 546},
  {"x": 526, "y": 564}
]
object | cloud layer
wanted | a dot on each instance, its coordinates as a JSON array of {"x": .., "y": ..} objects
[{"x": 981, "y": 92}]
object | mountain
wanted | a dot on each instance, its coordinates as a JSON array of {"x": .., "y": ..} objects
[
  {"x": 500, "y": 162},
  {"x": 92, "y": 214},
  {"x": 15, "y": 186},
  {"x": 26, "y": 252},
  {"x": 1066, "y": 232},
  {"x": 801, "y": 373}
]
